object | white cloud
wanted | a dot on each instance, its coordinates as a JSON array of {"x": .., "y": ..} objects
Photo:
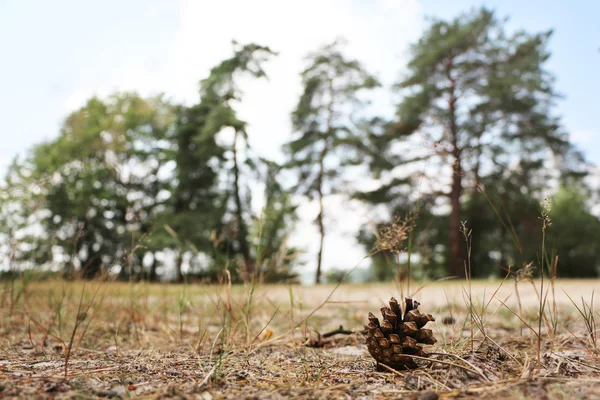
[{"x": 584, "y": 136}]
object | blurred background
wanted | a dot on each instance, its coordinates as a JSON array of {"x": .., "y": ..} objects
[{"x": 294, "y": 141}]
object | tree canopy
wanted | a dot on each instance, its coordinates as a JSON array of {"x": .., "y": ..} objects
[{"x": 151, "y": 189}]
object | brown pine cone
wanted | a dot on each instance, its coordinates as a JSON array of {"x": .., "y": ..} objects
[{"x": 399, "y": 335}]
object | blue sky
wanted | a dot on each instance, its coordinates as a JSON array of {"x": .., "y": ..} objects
[{"x": 57, "y": 54}]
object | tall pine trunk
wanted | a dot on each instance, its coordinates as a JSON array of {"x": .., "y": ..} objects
[
  {"x": 455, "y": 262},
  {"x": 320, "y": 180},
  {"x": 321, "y": 226},
  {"x": 242, "y": 234},
  {"x": 178, "y": 262},
  {"x": 152, "y": 274}
]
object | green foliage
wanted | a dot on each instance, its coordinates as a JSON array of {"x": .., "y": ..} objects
[
  {"x": 335, "y": 275},
  {"x": 216, "y": 92},
  {"x": 213, "y": 181},
  {"x": 574, "y": 234},
  {"x": 97, "y": 185}
]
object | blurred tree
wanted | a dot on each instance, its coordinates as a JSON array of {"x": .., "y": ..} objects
[
  {"x": 335, "y": 275},
  {"x": 574, "y": 233},
  {"x": 198, "y": 205},
  {"x": 211, "y": 188},
  {"x": 477, "y": 102},
  {"x": 325, "y": 120},
  {"x": 93, "y": 192},
  {"x": 23, "y": 244}
]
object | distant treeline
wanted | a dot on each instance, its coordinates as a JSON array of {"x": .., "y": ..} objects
[{"x": 155, "y": 190}]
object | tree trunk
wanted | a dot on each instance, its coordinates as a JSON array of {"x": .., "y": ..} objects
[
  {"x": 320, "y": 180},
  {"x": 152, "y": 276},
  {"x": 321, "y": 226},
  {"x": 242, "y": 233},
  {"x": 456, "y": 262},
  {"x": 178, "y": 273},
  {"x": 456, "y": 266}
]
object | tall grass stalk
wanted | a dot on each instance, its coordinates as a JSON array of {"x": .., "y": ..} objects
[
  {"x": 546, "y": 222},
  {"x": 470, "y": 306}
]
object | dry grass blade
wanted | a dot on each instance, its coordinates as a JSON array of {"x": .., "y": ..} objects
[{"x": 520, "y": 319}]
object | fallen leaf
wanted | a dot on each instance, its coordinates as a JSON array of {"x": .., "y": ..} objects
[{"x": 268, "y": 333}]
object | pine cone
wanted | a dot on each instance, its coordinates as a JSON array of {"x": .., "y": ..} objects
[{"x": 398, "y": 337}]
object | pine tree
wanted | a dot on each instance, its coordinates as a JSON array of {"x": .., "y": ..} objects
[
  {"x": 324, "y": 125},
  {"x": 476, "y": 102},
  {"x": 202, "y": 162}
]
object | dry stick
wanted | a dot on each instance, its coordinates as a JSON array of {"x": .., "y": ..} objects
[
  {"x": 392, "y": 370},
  {"x": 338, "y": 331},
  {"x": 321, "y": 343}
]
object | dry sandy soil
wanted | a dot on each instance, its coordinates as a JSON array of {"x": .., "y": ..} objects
[{"x": 221, "y": 342}]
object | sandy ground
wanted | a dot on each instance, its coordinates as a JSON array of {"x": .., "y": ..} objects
[{"x": 213, "y": 342}]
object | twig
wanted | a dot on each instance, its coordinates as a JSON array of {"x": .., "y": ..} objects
[{"x": 340, "y": 331}]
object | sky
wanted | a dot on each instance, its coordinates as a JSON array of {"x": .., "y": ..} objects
[{"x": 57, "y": 54}]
